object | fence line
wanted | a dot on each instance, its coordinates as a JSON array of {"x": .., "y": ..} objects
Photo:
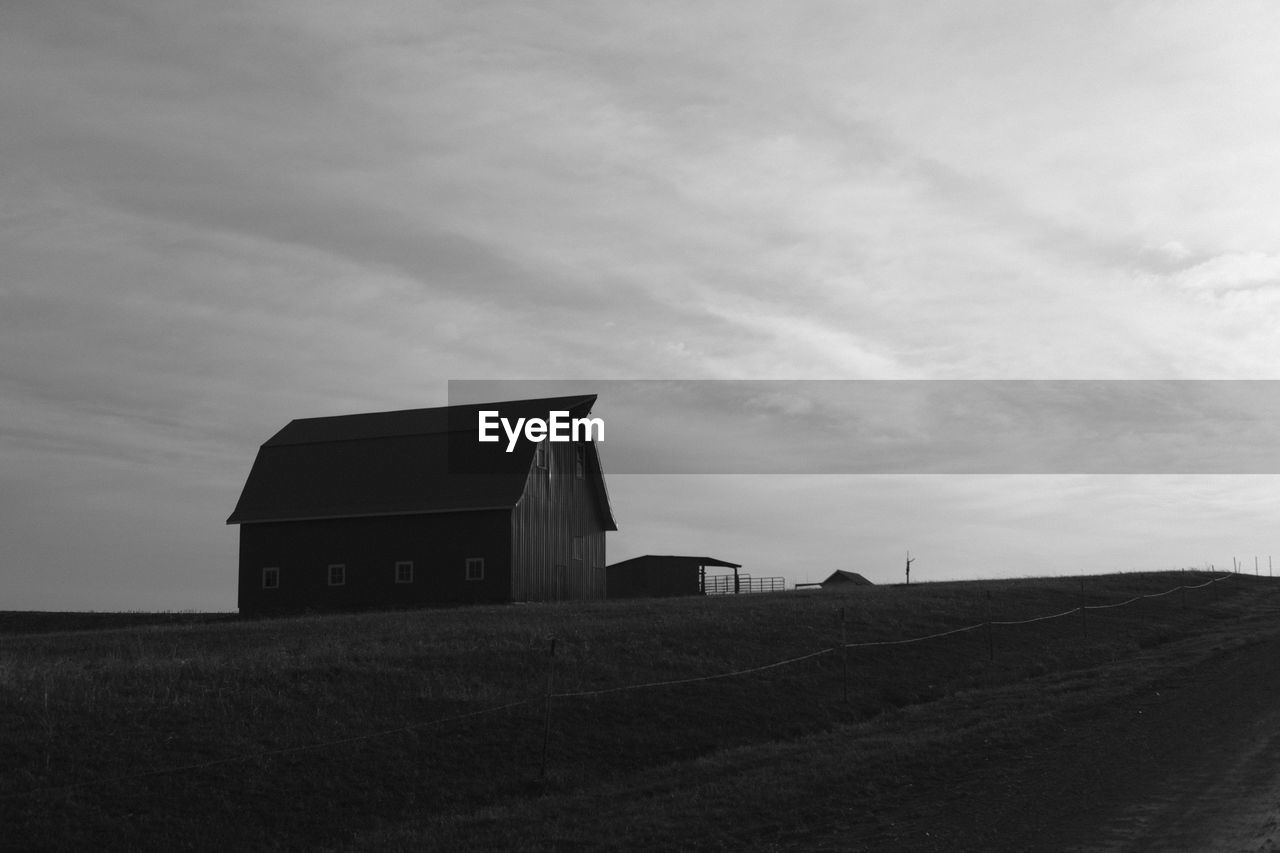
[
  {"x": 914, "y": 639},
  {"x": 1140, "y": 597},
  {"x": 1109, "y": 606},
  {"x": 743, "y": 583},
  {"x": 1070, "y": 612},
  {"x": 405, "y": 729},
  {"x": 696, "y": 678}
]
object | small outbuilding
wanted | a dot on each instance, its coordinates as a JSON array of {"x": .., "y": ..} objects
[
  {"x": 841, "y": 579},
  {"x": 654, "y": 575}
]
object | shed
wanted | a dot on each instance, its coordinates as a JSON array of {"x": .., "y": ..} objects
[
  {"x": 841, "y": 579},
  {"x": 655, "y": 575},
  {"x": 409, "y": 508}
]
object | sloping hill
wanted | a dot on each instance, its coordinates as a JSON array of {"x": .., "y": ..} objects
[{"x": 718, "y": 722}]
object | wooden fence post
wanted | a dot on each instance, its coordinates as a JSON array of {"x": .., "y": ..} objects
[
  {"x": 991, "y": 641},
  {"x": 546, "y": 725},
  {"x": 844, "y": 658},
  {"x": 1084, "y": 623}
]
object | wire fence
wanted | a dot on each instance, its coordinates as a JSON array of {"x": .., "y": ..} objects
[
  {"x": 547, "y": 697},
  {"x": 742, "y": 584}
]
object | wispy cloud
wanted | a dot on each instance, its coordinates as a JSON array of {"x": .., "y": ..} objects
[{"x": 217, "y": 217}]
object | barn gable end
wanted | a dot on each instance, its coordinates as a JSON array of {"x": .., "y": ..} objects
[{"x": 841, "y": 579}]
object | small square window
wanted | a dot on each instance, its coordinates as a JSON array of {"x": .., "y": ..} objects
[
  {"x": 404, "y": 571},
  {"x": 475, "y": 568},
  {"x": 540, "y": 454},
  {"x": 577, "y": 547},
  {"x": 337, "y": 574},
  {"x": 271, "y": 577}
]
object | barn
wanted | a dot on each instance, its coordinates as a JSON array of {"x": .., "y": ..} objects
[
  {"x": 841, "y": 579},
  {"x": 408, "y": 508},
  {"x": 654, "y": 575}
]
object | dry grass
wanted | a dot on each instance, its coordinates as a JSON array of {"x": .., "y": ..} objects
[{"x": 128, "y": 703}]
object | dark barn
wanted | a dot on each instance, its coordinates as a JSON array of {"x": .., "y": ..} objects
[
  {"x": 408, "y": 508},
  {"x": 657, "y": 575},
  {"x": 841, "y": 579}
]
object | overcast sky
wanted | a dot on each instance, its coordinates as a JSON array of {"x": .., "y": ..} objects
[{"x": 218, "y": 217}]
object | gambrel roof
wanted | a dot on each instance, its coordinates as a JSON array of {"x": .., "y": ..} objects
[{"x": 400, "y": 463}]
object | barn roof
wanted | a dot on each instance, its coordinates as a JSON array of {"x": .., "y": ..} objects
[
  {"x": 399, "y": 463},
  {"x": 841, "y": 576}
]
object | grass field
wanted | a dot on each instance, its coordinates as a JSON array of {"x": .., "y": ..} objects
[{"x": 429, "y": 729}]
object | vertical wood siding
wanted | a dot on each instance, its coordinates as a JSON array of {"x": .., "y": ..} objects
[{"x": 556, "y": 507}]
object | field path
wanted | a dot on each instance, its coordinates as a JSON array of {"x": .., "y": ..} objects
[
  {"x": 1206, "y": 754},
  {"x": 1189, "y": 762}
]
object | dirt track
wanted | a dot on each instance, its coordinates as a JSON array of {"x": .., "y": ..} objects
[
  {"x": 1196, "y": 765},
  {"x": 1189, "y": 762}
]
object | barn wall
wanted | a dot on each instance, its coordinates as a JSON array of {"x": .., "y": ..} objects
[
  {"x": 438, "y": 545},
  {"x": 652, "y": 576},
  {"x": 556, "y": 507}
]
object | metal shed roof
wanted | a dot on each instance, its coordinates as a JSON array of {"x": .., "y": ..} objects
[{"x": 674, "y": 561}]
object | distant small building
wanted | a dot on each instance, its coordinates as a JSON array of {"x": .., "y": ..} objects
[
  {"x": 841, "y": 579},
  {"x": 655, "y": 575}
]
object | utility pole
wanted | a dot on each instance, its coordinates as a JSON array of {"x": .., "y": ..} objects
[{"x": 909, "y": 562}]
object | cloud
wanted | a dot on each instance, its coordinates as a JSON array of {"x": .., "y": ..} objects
[
  {"x": 1234, "y": 271},
  {"x": 218, "y": 217}
]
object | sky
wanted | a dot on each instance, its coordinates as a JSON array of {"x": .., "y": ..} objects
[{"x": 218, "y": 217}]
